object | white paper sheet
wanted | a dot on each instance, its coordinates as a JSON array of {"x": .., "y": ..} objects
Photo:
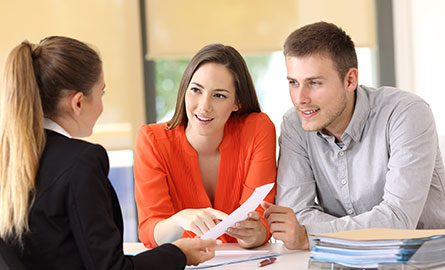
[
  {"x": 224, "y": 257},
  {"x": 240, "y": 213}
]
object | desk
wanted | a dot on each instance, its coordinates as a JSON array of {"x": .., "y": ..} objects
[{"x": 294, "y": 260}]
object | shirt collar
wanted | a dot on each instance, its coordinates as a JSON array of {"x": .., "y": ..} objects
[
  {"x": 362, "y": 109},
  {"x": 51, "y": 125}
]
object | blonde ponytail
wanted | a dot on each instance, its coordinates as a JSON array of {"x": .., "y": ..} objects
[
  {"x": 22, "y": 141},
  {"x": 34, "y": 79}
]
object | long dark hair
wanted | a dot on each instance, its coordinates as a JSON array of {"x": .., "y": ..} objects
[{"x": 234, "y": 62}]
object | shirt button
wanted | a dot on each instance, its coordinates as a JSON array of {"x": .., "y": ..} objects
[
  {"x": 350, "y": 211},
  {"x": 343, "y": 181},
  {"x": 341, "y": 153}
]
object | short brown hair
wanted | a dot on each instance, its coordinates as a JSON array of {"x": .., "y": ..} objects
[
  {"x": 234, "y": 62},
  {"x": 325, "y": 39}
]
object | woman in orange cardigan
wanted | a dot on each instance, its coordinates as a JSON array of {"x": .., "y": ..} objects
[{"x": 209, "y": 158}]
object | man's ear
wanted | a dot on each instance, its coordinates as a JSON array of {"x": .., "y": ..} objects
[
  {"x": 76, "y": 102},
  {"x": 351, "y": 79}
]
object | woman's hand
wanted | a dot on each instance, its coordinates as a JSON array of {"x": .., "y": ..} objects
[
  {"x": 196, "y": 250},
  {"x": 250, "y": 232},
  {"x": 199, "y": 221}
]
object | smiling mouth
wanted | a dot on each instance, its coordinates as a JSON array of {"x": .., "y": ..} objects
[
  {"x": 200, "y": 118},
  {"x": 310, "y": 112}
]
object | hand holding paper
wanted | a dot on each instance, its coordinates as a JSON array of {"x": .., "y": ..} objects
[
  {"x": 199, "y": 220},
  {"x": 250, "y": 232},
  {"x": 241, "y": 213}
]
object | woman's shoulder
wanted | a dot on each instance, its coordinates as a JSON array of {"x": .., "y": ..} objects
[
  {"x": 253, "y": 122},
  {"x": 63, "y": 143},
  {"x": 259, "y": 117},
  {"x": 68, "y": 149},
  {"x": 159, "y": 134},
  {"x": 157, "y": 128},
  {"x": 157, "y": 131},
  {"x": 249, "y": 130},
  {"x": 65, "y": 156}
]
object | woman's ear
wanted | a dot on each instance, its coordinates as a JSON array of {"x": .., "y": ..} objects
[
  {"x": 76, "y": 102},
  {"x": 236, "y": 107}
]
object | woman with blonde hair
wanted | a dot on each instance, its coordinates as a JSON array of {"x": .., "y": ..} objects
[
  {"x": 208, "y": 159},
  {"x": 58, "y": 209}
]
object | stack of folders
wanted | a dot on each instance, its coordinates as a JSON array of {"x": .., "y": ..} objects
[{"x": 371, "y": 248}]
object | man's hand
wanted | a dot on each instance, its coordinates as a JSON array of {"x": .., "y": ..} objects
[
  {"x": 285, "y": 227},
  {"x": 250, "y": 232}
]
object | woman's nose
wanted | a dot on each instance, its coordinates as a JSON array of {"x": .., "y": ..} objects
[{"x": 205, "y": 103}]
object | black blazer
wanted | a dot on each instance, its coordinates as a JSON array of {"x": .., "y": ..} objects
[
  {"x": 76, "y": 221},
  {"x": 8, "y": 258}
]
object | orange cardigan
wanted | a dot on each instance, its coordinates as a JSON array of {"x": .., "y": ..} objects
[{"x": 168, "y": 179}]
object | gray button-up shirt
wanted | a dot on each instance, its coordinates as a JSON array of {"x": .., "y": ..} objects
[{"x": 389, "y": 172}]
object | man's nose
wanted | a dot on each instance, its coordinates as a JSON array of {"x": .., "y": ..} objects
[{"x": 301, "y": 95}]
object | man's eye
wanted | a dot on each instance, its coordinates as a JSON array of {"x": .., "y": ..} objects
[{"x": 293, "y": 83}]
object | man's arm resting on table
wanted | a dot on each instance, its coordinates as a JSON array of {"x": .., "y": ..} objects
[{"x": 285, "y": 227}]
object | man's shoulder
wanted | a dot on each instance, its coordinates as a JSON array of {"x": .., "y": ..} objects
[
  {"x": 398, "y": 110},
  {"x": 291, "y": 127},
  {"x": 390, "y": 96},
  {"x": 291, "y": 115},
  {"x": 291, "y": 120}
]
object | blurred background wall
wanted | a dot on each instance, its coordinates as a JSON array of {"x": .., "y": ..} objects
[
  {"x": 419, "y": 38},
  {"x": 146, "y": 44},
  {"x": 113, "y": 28}
]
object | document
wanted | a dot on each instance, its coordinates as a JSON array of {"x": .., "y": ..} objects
[
  {"x": 381, "y": 234},
  {"x": 240, "y": 213},
  {"x": 235, "y": 255},
  {"x": 368, "y": 248}
]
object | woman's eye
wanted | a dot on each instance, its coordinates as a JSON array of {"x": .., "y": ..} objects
[
  {"x": 195, "y": 90},
  {"x": 220, "y": 96}
]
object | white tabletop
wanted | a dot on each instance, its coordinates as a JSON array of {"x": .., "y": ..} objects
[{"x": 288, "y": 260}]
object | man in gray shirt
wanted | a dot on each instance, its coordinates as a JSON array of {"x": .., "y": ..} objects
[{"x": 351, "y": 157}]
